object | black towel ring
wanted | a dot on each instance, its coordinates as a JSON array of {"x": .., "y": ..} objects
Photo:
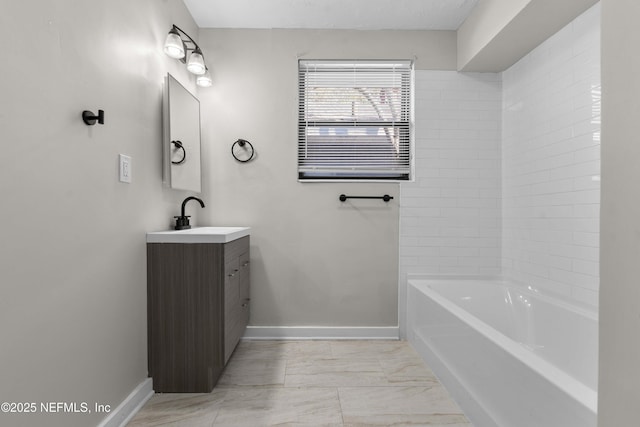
[
  {"x": 242, "y": 150},
  {"x": 178, "y": 144}
]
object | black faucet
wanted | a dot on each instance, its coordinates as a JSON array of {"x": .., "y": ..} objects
[{"x": 182, "y": 221}]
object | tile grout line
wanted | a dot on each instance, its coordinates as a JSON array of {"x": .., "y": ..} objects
[
  {"x": 286, "y": 368},
  {"x": 340, "y": 404},
  {"x": 216, "y": 417}
]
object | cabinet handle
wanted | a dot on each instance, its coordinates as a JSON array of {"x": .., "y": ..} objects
[
  {"x": 231, "y": 275},
  {"x": 245, "y": 264},
  {"x": 245, "y": 305}
]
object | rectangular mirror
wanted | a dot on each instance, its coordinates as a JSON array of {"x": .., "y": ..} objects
[{"x": 181, "y": 111}]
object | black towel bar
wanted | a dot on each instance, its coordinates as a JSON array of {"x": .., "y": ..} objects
[{"x": 386, "y": 197}]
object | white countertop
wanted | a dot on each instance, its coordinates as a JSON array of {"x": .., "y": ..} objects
[{"x": 199, "y": 235}]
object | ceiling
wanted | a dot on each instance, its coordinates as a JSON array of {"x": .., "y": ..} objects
[{"x": 331, "y": 14}]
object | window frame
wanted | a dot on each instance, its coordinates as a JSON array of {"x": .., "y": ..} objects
[{"x": 406, "y": 143}]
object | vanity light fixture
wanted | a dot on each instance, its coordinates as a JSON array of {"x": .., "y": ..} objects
[
  {"x": 204, "y": 80},
  {"x": 196, "y": 62},
  {"x": 176, "y": 46}
]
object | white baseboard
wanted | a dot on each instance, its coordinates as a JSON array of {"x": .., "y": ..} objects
[
  {"x": 321, "y": 332},
  {"x": 120, "y": 416}
]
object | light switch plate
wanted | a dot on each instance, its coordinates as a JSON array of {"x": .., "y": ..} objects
[{"x": 125, "y": 168}]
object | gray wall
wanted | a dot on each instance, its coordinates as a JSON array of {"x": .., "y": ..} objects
[
  {"x": 72, "y": 251},
  {"x": 620, "y": 228},
  {"x": 315, "y": 260}
]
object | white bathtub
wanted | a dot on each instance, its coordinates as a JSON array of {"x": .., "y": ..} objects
[{"x": 509, "y": 356}]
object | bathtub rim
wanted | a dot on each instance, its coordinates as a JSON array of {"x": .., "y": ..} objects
[{"x": 578, "y": 391}]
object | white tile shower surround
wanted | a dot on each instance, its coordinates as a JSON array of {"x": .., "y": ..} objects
[
  {"x": 507, "y": 170},
  {"x": 551, "y": 163},
  {"x": 450, "y": 215},
  {"x": 313, "y": 383}
]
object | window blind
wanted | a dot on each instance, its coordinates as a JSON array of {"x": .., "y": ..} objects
[{"x": 354, "y": 120}]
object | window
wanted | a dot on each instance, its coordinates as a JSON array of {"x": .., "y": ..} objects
[{"x": 354, "y": 120}]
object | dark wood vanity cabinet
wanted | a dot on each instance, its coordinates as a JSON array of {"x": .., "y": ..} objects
[{"x": 198, "y": 309}]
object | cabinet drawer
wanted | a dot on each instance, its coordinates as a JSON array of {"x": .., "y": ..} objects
[{"x": 232, "y": 250}]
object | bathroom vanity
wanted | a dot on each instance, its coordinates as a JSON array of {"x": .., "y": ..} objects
[{"x": 197, "y": 304}]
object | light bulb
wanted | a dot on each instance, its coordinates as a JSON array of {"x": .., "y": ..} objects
[
  {"x": 196, "y": 62},
  {"x": 173, "y": 45},
  {"x": 204, "y": 80}
]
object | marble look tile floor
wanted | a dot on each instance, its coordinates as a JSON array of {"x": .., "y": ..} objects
[{"x": 313, "y": 383}]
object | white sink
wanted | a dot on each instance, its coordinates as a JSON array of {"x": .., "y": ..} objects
[{"x": 199, "y": 235}]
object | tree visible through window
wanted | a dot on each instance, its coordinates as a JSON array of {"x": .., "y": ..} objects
[{"x": 354, "y": 120}]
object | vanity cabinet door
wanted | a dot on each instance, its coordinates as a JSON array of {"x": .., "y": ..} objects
[
  {"x": 236, "y": 293},
  {"x": 184, "y": 316},
  {"x": 245, "y": 297},
  {"x": 231, "y": 307}
]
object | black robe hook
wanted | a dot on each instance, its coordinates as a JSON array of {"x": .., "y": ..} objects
[{"x": 90, "y": 119}]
